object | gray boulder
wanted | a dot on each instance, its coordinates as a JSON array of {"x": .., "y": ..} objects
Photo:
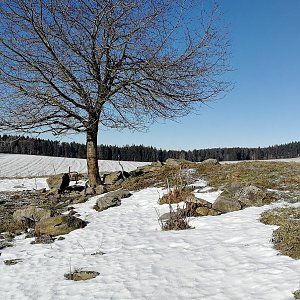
[
  {"x": 164, "y": 217},
  {"x": 225, "y": 204},
  {"x": 154, "y": 167},
  {"x": 114, "y": 177},
  {"x": 31, "y": 212},
  {"x": 111, "y": 199},
  {"x": 88, "y": 191},
  {"x": 100, "y": 189},
  {"x": 172, "y": 162},
  {"x": 58, "y": 182},
  {"x": 58, "y": 225},
  {"x": 198, "y": 201},
  {"x": 210, "y": 161},
  {"x": 251, "y": 196},
  {"x": 156, "y": 164},
  {"x": 206, "y": 211}
]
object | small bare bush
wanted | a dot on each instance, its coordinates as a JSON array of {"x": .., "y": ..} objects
[
  {"x": 177, "y": 220},
  {"x": 176, "y": 195}
]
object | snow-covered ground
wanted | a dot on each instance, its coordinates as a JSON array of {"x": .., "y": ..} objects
[
  {"x": 17, "y": 165},
  {"x": 225, "y": 257}
]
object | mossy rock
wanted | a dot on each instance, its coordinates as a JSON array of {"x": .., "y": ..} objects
[{"x": 58, "y": 225}]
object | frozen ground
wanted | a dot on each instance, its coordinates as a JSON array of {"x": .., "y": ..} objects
[{"x": 224, "y": 257}]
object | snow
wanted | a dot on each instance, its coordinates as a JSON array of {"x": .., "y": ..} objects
[
  {"x": 224, "y": 257},
  {"x": 22, "y": 184},
  {"x": 17, "y": 165}
]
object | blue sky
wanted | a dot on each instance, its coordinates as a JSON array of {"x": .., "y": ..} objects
[{"x": 263, "y": 108}]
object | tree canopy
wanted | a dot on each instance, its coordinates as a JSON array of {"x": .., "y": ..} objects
[{"x": 69, "y": 66}]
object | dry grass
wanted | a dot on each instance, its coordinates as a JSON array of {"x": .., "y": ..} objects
[
  {"x": 177, "y": 220},
  {"x": 12, "y": 226},
  {"x": 176, "y": 195},
  {"x": 266, "y": 175},
  {"x": 174, "y": 176},
  {"x": 286, "y": 238}
]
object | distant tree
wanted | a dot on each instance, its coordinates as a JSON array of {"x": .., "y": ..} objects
[{"x": 71, "y": 65}]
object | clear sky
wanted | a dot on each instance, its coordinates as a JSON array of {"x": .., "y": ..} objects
[{"x": 263, "y": 109}]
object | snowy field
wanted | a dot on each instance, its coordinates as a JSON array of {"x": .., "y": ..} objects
[
  {"x": 224, "y": 257},
  {"x": 17, "y": 165}
]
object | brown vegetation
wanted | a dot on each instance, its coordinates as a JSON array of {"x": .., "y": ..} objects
[{"x": 286, "y": 238}]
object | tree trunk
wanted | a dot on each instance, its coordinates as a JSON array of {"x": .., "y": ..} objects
[{"x": 92, "y": 158}]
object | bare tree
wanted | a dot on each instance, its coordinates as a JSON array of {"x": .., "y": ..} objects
[{"x": 69, "y": 66}]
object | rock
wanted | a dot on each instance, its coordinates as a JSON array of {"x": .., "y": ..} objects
[
  {"x": 251, "y": 196},
  {"x": 77, "y": 200},
  {"x": 164, "y": 217},
  {"x": 100, "y": 189},
  {"x": 205, "y": 211},
  {"x": 31, "y": 212},
  {"x": 202, "y": 211},
  {"x": 210, "y": 161},
  {"x": 111, "y": 199},
  {"x": 120, "y": 194},
  {"x": 72, "y": 212},
  {"x": 11, "y": 262},
  {"x": 81, "y": 275},
  {"x": 58, "y": 225},
  {"x": 225, "y": 204},
  {"x": 172, "y": 162},
  {"x": 156, "y": 164},
  {"x": 140, "y": 171},
  {"x": 104, "y": 203},
  {"x": 58, "y": 182},
  {"x": 4, "y": 244},
  {"x": 193, "y": 203},
  {"x": 89, "y": 191},
  {"x": 150, "y": 168},
  {"x": 115, "y": 177},
  {"x": 43, "y": 239},
  {"x": 200, "y": 202}
]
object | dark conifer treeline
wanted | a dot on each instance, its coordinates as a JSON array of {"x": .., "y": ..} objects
[{"x": 33, "y": 146}]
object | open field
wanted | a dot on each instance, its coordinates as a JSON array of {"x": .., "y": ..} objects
[
  {"x": 230, "y": 256},
  {"x": 15, "y": 165}
]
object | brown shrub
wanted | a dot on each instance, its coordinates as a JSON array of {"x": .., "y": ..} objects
[
  {"x": 176, "y": 195},
  {"x": 177, "y": 220}
]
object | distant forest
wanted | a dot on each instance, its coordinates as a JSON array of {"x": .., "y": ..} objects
[{"x": 36, "y": 146}]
